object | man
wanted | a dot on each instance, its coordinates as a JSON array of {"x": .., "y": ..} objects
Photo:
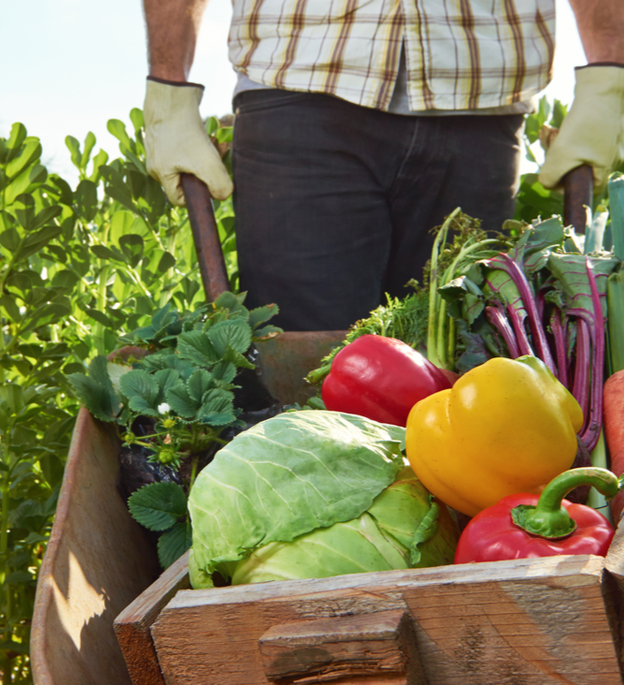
[{"x": 361, "y": 123}]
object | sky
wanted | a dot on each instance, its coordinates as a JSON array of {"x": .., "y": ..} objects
[{"x": 68, "y": 66}]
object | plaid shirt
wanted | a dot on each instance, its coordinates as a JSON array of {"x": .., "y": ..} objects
[{"x": 461, "y": 54}]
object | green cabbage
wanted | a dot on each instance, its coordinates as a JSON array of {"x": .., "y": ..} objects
[{"x": 311, "y": 494}]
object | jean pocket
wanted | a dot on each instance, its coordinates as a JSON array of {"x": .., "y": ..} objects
[{"x": 265, "y": 99}]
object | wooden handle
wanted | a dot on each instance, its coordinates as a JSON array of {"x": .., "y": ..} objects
[
  {"x": 377, "y": 649},
  {"x": 578, "y": 192},
  {"x": 205, "y": 236}
]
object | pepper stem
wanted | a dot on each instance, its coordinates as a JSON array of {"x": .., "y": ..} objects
[{"x": 549, "y": 518}]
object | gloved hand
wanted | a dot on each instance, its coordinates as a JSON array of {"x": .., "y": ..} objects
[
  {"x": 592, "y": 131},
  {"x": 177, "y": 141}
]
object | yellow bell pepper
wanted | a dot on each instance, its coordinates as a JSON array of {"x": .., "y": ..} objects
[{"x": 506, "y": 426}]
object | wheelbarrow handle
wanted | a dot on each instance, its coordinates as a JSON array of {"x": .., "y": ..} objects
[
  {"x": 578, "y": 192},
  {"x": 205, "y": 236}
]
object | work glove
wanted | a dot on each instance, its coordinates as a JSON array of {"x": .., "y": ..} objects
[
  {"x": 176, "y": 140},
  {"x": 592, "y": 131}
]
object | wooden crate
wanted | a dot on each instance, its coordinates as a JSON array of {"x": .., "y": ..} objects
[
  {"x": 555, "y": 620},
  {"x": 529, "y": 621},
  {"x": 98, "y": 559}
]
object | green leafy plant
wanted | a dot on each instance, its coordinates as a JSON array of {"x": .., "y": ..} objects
[
  {"x": 162, "y": 508},
  {"x": 185, "y": 387},
  {"x": 79, "y": 267}
]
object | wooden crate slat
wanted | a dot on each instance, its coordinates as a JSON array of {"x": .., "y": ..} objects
[{"x": 465, "y": 628}]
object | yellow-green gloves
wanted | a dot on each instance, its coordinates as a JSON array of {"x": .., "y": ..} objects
[
  {"x": 593, "y": 131},
  {"x": 176, "y": 140}
]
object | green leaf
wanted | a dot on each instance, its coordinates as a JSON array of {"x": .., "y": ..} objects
[
  {"x": 11, "y": 308},
  {"x": 211, "y": 125},
  {"x": 27, "y": 181},
  {"x": 74, "y": 147},
  {"x": 90, "y": 141},
  {"x": 167, "y": 261},
  {"x": 86, "y": 197},
  {"x": 166, "y": 379},
  {"x": 224, "y": 134},
  {"x": 132, "y": 247},
  {"x": 261, "y": 315},
  {"x": 19, "y": 578},
  {"x": 65, "y": 278},
  {"x": 237, "y": 359},
  {"x": 117, "y": 128},
  {"x": 136, "y": 117},
  {"x": 158, "y": 506},
  {"x": 27, "y": 509},
  {"x": 178, "y": 398},
  {"x": 233, "y": 333},
  {"x": 196, "y": 346},
  {"x": 142, "y": 391},
  {"x": 15, "y": 140},
  {"x": 95, "y": 390},
  {"x": 174, "y": 543},
  {"x": 98, "y": 161},
  {"x": 224, "y": 371},
  {"x": 98, "y": 316},
  {"x": 217, "y": 408},
  {"x": 103, "y": 252},
  {"x": 200, "y": 382},
  {"x": 29, "y": 153}
]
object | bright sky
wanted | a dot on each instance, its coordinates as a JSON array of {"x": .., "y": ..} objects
[{"x": 68, "y": 66}]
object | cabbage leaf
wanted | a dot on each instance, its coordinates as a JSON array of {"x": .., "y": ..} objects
[{"x": 287, "y": 476}]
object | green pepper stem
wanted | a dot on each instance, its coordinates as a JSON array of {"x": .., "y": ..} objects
[{"x": 549, "y": 519}]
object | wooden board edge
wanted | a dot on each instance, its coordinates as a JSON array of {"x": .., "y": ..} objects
[
  {"x": 132, "y": 625},
  {"x": 586, "y": 568}
]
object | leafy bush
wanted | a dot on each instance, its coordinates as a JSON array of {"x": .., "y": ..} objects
[{"x": 78, "y": 269}]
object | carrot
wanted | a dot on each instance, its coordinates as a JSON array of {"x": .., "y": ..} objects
[{"x": 613, "y": 420}]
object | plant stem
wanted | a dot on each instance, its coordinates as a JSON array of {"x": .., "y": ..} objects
[{"x": 433, "y": 298}]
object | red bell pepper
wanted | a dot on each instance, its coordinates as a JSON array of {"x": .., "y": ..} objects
[
  {"x": 523, "y": 525},
  {"x": 380, "y": 378}
]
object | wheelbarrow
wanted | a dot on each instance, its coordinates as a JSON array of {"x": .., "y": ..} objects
[{"x": 105, "y": 614}]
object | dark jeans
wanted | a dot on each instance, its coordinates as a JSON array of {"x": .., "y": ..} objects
[{"x": 334, "y": 203}]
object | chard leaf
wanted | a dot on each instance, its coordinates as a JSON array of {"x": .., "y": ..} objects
[
  {"x": 158, "y": 506},
  {"x": 570, "y": 270},
  {"x": 174, "y": 543},
  {"x": 287, "y": 476},
  {"x": 95, "y": 390}
]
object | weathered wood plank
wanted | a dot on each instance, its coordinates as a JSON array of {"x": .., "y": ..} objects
[
  {"x": 377, "y": 647},
  {"x": 536, "y": 621},
  {"x": 132, "y": 626},
  {"x": 98, "y": 560}
]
